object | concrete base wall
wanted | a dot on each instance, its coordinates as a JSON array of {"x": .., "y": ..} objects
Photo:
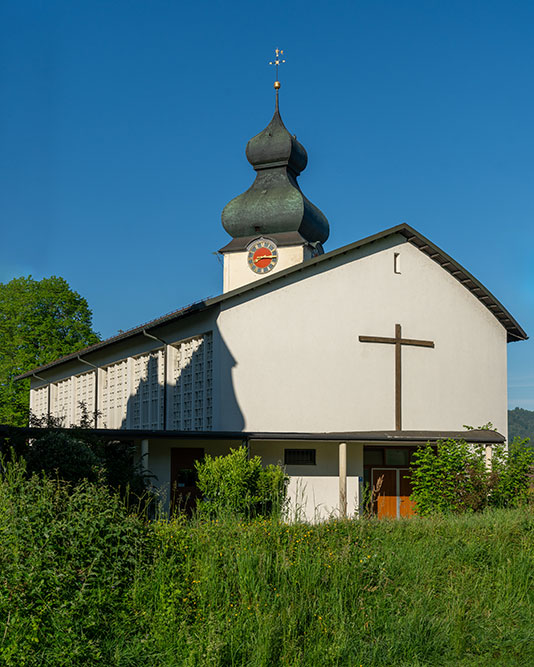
[{"x": 313, "y": 492}]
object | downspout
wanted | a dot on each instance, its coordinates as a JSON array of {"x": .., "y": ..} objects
[
  {"x": 165, "y": 344},
  {"x": 96, "y": 386},
  {"x": 38, "y": 377}
]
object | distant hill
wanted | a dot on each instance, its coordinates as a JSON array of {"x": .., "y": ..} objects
[{"x": 521, "y": 424}]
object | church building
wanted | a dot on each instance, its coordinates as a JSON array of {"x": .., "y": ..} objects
[{"x": 336, "y": 364}]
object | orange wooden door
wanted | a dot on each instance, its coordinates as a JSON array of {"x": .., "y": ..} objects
[
  {"x": 386, "y": 504},
  {"x": 184, "y": 490},
  {"x": 406, "y": 507}
]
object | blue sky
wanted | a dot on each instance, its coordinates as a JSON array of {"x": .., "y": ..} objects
[{"x": 123, "y": 127}]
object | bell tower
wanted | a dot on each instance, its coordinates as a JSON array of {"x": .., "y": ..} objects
[{"x": 273, "y": 225}]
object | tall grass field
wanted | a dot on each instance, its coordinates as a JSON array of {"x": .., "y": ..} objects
[{"x": 84, "y": 581}]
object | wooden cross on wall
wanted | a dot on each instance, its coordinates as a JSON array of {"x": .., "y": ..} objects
[{"x": 398, "y": 341}]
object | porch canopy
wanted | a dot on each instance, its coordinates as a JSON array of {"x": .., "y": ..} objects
[
  {"x": 484, "y": 437},
  {"x": 475, "y": 436}
]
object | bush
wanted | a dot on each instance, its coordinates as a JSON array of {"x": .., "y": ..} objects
[
  {"x": 67, "y": 561},
  {"x": 62, "y": 454},
  {"x": 454, "y": 477},
  {"x": 237, "y": 484},
  {"x": 76, "y": 453},
  {"x": 513, "y": 471}
]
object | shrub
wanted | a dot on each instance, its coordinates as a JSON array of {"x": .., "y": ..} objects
[
  {"x": 240, "y": 485},
  {"x": 62, "y": 454},
  {"x": 68, "y": 557},
  {"x": 454, "y": 477},
  {"x": 76, "y": 453},
  {"x": 513, "y": 471}
]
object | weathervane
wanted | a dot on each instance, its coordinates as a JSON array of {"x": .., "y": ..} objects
[{"x": 277, "y": 62}]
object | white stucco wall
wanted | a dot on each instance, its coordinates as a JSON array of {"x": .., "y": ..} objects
[
  {"x": 313, "y": 492},
  {"x": 298, "y": 364}
]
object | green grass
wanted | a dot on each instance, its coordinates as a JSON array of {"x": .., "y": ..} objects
[{"x": 84, "y": 583}]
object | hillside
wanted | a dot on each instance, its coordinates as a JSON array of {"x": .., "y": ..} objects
[{"x": 521, "y": 424}]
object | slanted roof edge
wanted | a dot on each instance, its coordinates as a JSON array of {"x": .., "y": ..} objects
[{"x": 514, "y": 330}]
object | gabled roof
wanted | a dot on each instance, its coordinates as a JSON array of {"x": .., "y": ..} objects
[{"x": 513, "y": 329}]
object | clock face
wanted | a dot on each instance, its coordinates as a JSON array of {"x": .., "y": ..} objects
[{"x": 262, "y": 256}]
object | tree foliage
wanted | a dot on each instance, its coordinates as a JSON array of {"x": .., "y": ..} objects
[{"x": 40, "y": 320}]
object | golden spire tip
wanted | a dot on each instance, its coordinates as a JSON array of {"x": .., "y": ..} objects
[{"x": 277, "y": 62}]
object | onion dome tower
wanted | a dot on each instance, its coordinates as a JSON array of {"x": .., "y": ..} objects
[{"x": 273, "y": 225}]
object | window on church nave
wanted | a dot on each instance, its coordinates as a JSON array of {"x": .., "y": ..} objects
[
  {"x": 146, "y": 404},
  {"x": 191, "y": 384},
  {"x": 396, "y": 262},
  {"x": 63, "y": 400},
  {"x": 84, "y": 392},
  {"x": 114, "y": 394},
  {"x": 299, "y": 457},
  {"x": 39, "y": 401},
  {"x": 132, "y": 392}
]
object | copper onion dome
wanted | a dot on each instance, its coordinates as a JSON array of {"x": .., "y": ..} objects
[{"x": 274, "y": 203}]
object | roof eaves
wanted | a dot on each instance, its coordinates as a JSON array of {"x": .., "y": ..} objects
[
  {"x": 514, "y": 331},
  {"x": 208, "y": 303},
  {"x": 332, "y": 254},
  {"x": 124, "y": 335},
  {"x": 366, "y": 437}
]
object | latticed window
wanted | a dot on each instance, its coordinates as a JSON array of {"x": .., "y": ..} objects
[
  {"x": 191, "y": 384},
  {"x": 84, "y": 393},
  {"x": 63, "y": 401},
  {"x": 115, "y": 393},
  {"x": 39, "y": 401},
  {"x": 146, "y": 403}
]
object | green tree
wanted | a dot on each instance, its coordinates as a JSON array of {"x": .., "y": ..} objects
[{"x": 40, "y": 320}]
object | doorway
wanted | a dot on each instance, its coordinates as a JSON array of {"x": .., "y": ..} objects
[
  {"x": 390, "y": 464},
  {"x": 394, "y": 490},
  {"x": 184, "y": 489}
]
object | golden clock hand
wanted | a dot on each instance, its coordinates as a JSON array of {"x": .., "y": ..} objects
[{"x": 258, "y": 259}]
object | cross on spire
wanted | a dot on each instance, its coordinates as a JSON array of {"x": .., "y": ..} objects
[
  {"x": 277, "y": 62},
  {"x": 398, "y": 341}
]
